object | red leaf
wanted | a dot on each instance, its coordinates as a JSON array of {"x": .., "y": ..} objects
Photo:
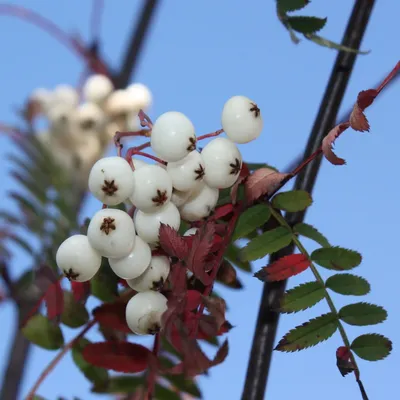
[
  {"x": 283, "y": 268},
  {"x": 343, "y": 360},
  {"x": 262, "y": 182},
  {"x": 193, "y": 299},
  {"x": 112, "y": 315},
  {"x": 223, "y": 211},
  {"x": 217, "y": 308},
  {"x": 118, "y": 356},
  {"x": 81, "y": 291},
  {"x": 177, "y": 277},
  {"x": 358, "y": 121},
  {"x": 217, "y": 243},
  {"x": 327, "y": 144},
  {"x": 226, "y": 327},
  {"x": 54, "y": 299},
  {"x": 172, "y": 242}
]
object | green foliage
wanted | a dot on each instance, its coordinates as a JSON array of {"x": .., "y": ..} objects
[
  {"x": 267, "y": 243},
  {"x": 362, "y": 314},
  {"x": 309, "y": 334},
  {"x": 292, "y": 201},
  {"x": 250, "y": 220},
  {"x": 302, "y": 297},
  {"x": 184, "y": 385},
  {"x": 371, "y": 347},
  {"x": 232, "y": 254},
  {"x": 119, "y": 384},
  {"x": 312, "y": 233},
  {"x": 336, "y": 258},
  {"x": 306, "y": 24},
  {"x": 44, "y": 333},
  {"x": 348, "y": 284},
  {"x": 74, "y": 314},
  {"x": 332, "y": 45},
  {"x": 104, "y": 285},
  {"x": 285, "y": 6}
]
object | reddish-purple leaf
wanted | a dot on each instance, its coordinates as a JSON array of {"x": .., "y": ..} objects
[
  {"x": 118, "y": 356},
  {"x": 262, "y": 182},
  {"x": 172, "y": 242},
  {"x": 112, "y": 315},
  {"x": 177, "y": 277},
  {"x": 54, "y": 299},
  {"x": 81, "y": 291},
  {"x": 217, "y": 308},
  {"x": 284, "y": 268},
  {"x": 193, "y": 299},
  {"x": 244, "y": 173},
  {"x": 358, "y": 120},
  {"x": 328, "y": 141},
  {"x": 343, "y": 360},
  {"x": 223, "y": 211}
]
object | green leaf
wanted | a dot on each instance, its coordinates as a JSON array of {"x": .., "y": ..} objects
[
  {"x": 184, "y": 385},
  {"x": 372, "y": 346},
  {"x": 267, "y": 243},
  {"x": 20, "y": 242},
  {"x": 250, "y": 220},
  {"x": 302, "y": 297},
  {"x": 104, "y": 285},
  {"x": 312, "y": 233},
  {"x": 332, "y": 45},
  {"x": 74, "y": 314},
  {"x": 44, "y": 333},
  {"x": 292, "y": 201},
  {"x": 309, "y": 334},
  {"x": 306, "y": 24},
  {"x": 336, "y": 258},
  {"x": 119, "y": 384},
  {"x": 99, "y": 376},
  {"x": 285, "y": 6},
  {"x": 348, "y": 284},
  {"x": 362, "y": 314},
  {"x": 163, "y": 393},
  {"x": 232, "y": 254}
]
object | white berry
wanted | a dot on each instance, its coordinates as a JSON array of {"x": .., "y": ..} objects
[
  {"x": 138, "y": 163},
  {"x": 112, "y": 233},
  {"x": 97, "y": 88},
  {"x": 66, "y": 95},
  {"x": 78, "y": 259},
  {"x": 135, "y": 263},
  {"x": 141, "y": 95},
  {"x": 42, "y": 97},
  {"x": 241, "y": 119},
  {"x": 223, "y": 162},
  {"x": 148, "y": 225},
  {"x": 144, "y": 311},
  {"x": 89, "y": 117},
  {"x": 152, "y": 188},
  {"x": 119, "y": 103},
  {"x": 187, "y": 174},
  {"x": 173, "y": 136},
  {"x": 200, "y": 203},
  {"x": 179, "y": 198},
  {"x": 133, "y": 122},
  {"x": 191, "y": 231},
  {"x": 154, "y": 277},
  {"x": 111, "y": 180}
]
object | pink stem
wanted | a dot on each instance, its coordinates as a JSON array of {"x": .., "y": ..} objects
[
  {"x": 153, "y": 372},
  {"x": 141, "y": 153},
  {"x": 95, "y": 18},
  {"x": 208, "y": 135}
]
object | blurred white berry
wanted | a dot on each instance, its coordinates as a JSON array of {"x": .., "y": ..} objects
[
  {"x": 223, "y": 162},
  {"x": 88, "y": 150},
  {"x": 112, "y": 233},
  {"x": 191, "y": 231},
  {"x": 148, "y": 225},
  {"x": 187, "y": 174},
  {"x": 173, "y": 136},
  {"x": 78, "y": 260},
  {"x": 179, "y": 198},
  {"x": 111, "y": 180},
  {"x": 152, "y": 188},
  {"x": 89, "y": 117},
  {"x": 60, "y": 120},
  {"x": 135, "y": 263},
  {"x": 154, "y": 277},
  {"x": 97, "y": 88},
  {"x": 119, "y": 103},
  {"x": 133, "y": 122},
  {"x": 43, "y": 98},
  {"x": 200, "y": 203},
  {"x": 241, "y": 119},
  {"x": 141, "y": 95},
  {"x": 144, "y": 311},
  {"x": 66, "y": 95}
]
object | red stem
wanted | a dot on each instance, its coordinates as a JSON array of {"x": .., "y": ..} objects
[
  {"x": 392, "y": 74},
  {"x": 145, "y": 120},
  {"x": 95, "y": 19},
  {"x": 153, "y": 370},
  {"x": 208, "y": 135},
  {"x": 141, "y": 153},
  {"x": 133, "y": 150}
]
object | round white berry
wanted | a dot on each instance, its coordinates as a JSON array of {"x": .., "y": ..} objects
[
  {"x": 133, "y": 122},
  {"x": 144, "y": 311},
  {"x": 200, "y": 203},
  {"x": 223, "y": 162},
  {"x": 191, "y": 231},
  {"x": 138, "y": 163},
  {"x": 89, "y": 117},
  {"x": 141, "y": 95},
  {"x": 241, "y": 119},
  {"x": 152, "y": 188},
  {"x": 66, "y": 95},
  {"x": 97, "y": 88},
  {"x": 60, "y": 119},
  {"x": 148, "y": 225},
  {"x": 111, "y": 180},
  {"x": 119, "y": 103},
  {"x": 78, "y": 259},
  {"x": 135, "y": 263},
  {"x": 154, "y": 277},
  {"x": 173, "y": 136},
  {"x": 112, "y": 233},
  {"x": 179, "y": 198},
  {"x": 187, "y": 174}
]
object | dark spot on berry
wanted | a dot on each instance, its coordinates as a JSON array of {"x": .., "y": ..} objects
[
  {"x": 236, "y": 167},
  {"x": 109, "y": 187},
  {"x": 153, "y": 329},
  {"x": 88, "y": 124},
  {"x": 161, "y": 198},
  {"x": 255, "y": 110},
  {"x": 71, "y": 275},
  {"x": 200, "y": 172},
  {"x": 174, "y": 260},
  {"x": 108, "y": 225},
  {"x": 192, "y": 144},
  {"x": 157, "y": 285}
]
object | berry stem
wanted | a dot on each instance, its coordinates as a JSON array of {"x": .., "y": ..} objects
[
  {"x": 119, "y": 135},
  {"x": 145, "y": 120},
  {"x": 153, "y": 371},
  {"x": 143, "y": 154},
  {"x": 10, "y": 131},
  {"x": 208, "y": 135},
  {"x": 57, "y": 359},
  {"x": 133, "y": 150}
]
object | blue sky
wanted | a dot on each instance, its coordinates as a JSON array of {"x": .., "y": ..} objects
[{"x": 198, "y": 55}]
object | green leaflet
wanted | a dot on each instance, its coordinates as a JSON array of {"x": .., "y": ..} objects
[
  {"x": 306, "y": 24},
  {"x": 99, "y": 376},
  {"x": 74, "y": 314},
  {"x": 292, "y": 201},
  {"x": 267, "y": 243},
  {"x": 232, "y": 254},
  {"x": 312, "y": 233},
  {"x": 372, "y": 346},
  {"x": 332, "y": 45},
  {"x": 336, "y": 258},
  {"x": 285, "y": 6},
  {"x": 309, "y": 334},
  {"x": 250, "y": 220},
  {"x": 362, "y": 314},
  {"x": 120, "y": 384},
  {"x": 44, "y": 333},
  {"x": 185, "y": 385},
  {"x": 104, "y": 285},
  {"x": 348, "y": 284},
  {"x": 302, "y": 297}
]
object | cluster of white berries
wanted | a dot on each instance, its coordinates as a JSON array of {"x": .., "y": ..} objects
[
  {"x": 81, "y": 123},
  {"x": 184, "y": 186}
]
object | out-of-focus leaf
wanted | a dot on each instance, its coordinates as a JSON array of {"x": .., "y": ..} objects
[
  {"x": 104, "y": 285},
  {"x": 232, "y": 254},
  {"x": 75, "y": 313}
]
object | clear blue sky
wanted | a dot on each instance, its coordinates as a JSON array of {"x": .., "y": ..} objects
[{"x": 198, "y": 55}]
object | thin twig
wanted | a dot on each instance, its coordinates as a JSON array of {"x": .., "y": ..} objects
[
  {"x": 153, "y": 371},
  {"x": 95, "y": 19}
]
